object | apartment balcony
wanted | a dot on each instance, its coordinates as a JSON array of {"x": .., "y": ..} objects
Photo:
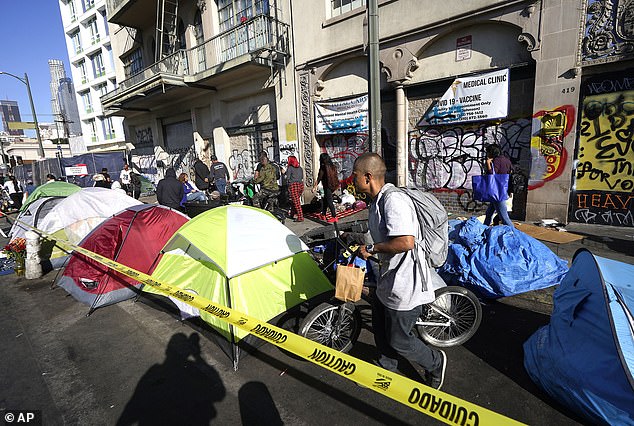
[
  {"x": 249, "y": 49},
  {"x": 132, "y": 13}
]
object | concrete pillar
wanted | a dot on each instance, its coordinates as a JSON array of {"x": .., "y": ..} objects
[
  {"x": 32, "y": 264},
  {"x": 401, "y": 136}
]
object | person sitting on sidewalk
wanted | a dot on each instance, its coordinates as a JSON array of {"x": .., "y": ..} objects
[
  {"x": 404, "y": 279},
  {"x": 191, "y": 192}
]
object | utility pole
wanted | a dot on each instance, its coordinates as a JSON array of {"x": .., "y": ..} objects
[
  {"x": 374, "y": 83},
  {"x": 25, "y": 81}
]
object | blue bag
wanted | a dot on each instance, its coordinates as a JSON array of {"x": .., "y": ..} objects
[{"x": 490, "y": 188}]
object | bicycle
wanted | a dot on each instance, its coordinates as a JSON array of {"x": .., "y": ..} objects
[{"x": 450, "y": 320}]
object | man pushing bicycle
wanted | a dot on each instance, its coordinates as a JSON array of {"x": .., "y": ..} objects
[{"x": 402, "y": 286}]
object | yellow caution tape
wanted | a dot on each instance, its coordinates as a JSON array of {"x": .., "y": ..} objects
[{"x": 437, "y": 404}]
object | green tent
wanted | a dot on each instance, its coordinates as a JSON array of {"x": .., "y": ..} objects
[
  {"x": 50, "y": 189},
  {"x": 244, "y": 258}
]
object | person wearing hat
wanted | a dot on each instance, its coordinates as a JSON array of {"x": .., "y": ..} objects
[
  {"x": 219, "y": 174},
  {"x": 100, "y": 181}
]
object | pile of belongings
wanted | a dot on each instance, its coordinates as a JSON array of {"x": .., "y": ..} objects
[{"x": 499, "y": 261}]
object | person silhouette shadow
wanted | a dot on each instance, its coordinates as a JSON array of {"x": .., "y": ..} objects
[{"x": 181, "y": 391}]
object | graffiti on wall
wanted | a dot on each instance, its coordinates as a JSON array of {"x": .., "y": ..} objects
[
  {"x": 344, "y": 149},
  {"x": 604, "y": 173},
  {"x": 245, "y": 149},
  {"x": 144, "y": 137},
  {"x": 146, "y": 166},
  {"x": 442, "y": 158},
  {"x": 241, "y": 164},
  {"x": 548, "y": 155}
]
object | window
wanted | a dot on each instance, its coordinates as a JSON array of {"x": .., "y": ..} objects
[
  {"x": 71, "y": 11},
  {"x": 109, "y": 56},
  {"x": 133, "y": 63},
  {"x": 339, "y": 7},
  {"x": 102, "y": 89},
  {"x": 94, "y": 31},
  {"x": 105, "y": 22},
  {"x": 235, "y": 12},
  {"x": 200, "y": 39},
  {"x": 97, "y": 65},
  {"x": 82, "y": 71},
  {"x": 108, "y": 128},
  {"x": 87, "y": 100},
  {"x": 76, "y": 42},
  {"x": 92, "y": 127},
  {"x": 88, "y": 4}
]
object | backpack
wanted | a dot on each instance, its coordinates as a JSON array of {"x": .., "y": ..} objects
[{"x": 433, "y": 221}]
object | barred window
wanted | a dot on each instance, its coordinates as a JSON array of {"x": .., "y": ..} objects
[{"x": 133, "y": 63}]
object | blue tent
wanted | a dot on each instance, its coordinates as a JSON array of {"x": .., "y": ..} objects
[{"x": 585, "y": 357}]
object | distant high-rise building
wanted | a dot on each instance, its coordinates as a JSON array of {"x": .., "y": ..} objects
[
  {"x": 10, "y": 113},
  {"x": 92, "y": 69},
  {"x": 63, "y": 101},
  {"x": 56, "y": 68},
  {"x": 69, "y": 113}
]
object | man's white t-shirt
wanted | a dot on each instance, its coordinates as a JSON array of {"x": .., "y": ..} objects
[
  {"x": 124, "y": 177},
  {"x": 400, "y": 285}
]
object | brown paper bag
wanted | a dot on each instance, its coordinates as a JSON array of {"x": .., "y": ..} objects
[{"x": 349, "y": 283}]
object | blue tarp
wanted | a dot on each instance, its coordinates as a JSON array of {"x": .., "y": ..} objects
[
  {"x": 585, "y": 357},
  {"x": 499, "y": 261}
]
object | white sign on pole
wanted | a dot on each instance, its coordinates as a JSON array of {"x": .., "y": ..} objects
[
  {"x": 474, "y": 98},
  {"x": 347, "y": 116}
]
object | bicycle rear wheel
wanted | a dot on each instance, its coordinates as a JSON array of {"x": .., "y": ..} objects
[
  {"x": 451, "y": 319},
  {"x": 324, "y": 325}
]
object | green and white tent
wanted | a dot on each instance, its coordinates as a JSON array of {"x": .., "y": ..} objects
[{"x": 244, "y": 258}]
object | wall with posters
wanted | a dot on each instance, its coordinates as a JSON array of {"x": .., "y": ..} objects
[
  {"x": 341, "y": 130},
  {"x": 604, "y": 174}
]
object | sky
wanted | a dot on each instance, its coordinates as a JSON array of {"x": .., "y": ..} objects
[{"x": 31, "y": 33}]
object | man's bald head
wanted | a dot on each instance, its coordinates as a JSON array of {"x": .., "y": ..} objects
[{"x": 370, "y": 163}]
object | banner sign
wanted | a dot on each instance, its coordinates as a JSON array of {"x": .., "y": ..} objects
[
  {"x": 77, "y": 170},
  {"x": 347, "y": 116},
  {"x": 475, "y": 98}
]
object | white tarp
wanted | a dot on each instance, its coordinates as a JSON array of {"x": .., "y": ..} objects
[
  {"x": 474, "y": 98},
  {"x": 346, "y": 116}
]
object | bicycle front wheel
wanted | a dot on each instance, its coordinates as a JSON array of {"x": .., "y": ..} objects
[
  {"x": 451, "y": 319},
  {"x": 335, "y": 326}
]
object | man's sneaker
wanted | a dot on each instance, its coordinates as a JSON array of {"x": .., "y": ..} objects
[{"x": 437, "y": 377}]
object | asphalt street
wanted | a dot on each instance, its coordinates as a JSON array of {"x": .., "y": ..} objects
[{"x": 137, "y": 363}]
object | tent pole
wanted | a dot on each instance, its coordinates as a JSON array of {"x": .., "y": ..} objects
[{"x": 235, "y": 352}]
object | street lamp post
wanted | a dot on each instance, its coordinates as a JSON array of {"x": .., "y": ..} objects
[{"x": 25, "y": 81}]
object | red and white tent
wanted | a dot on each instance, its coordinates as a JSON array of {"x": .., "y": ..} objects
[{"x": 133, "y": 237}]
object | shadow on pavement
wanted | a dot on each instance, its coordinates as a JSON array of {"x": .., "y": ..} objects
[
  {"x": 336, "y": 394},
  {"x": 183, "y": 389},
  {"x": 257, "y": 406},
  {"x": 499, "y": 342}
]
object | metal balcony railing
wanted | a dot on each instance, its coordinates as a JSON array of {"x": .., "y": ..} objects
[{"x": 259, "y": 34}]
